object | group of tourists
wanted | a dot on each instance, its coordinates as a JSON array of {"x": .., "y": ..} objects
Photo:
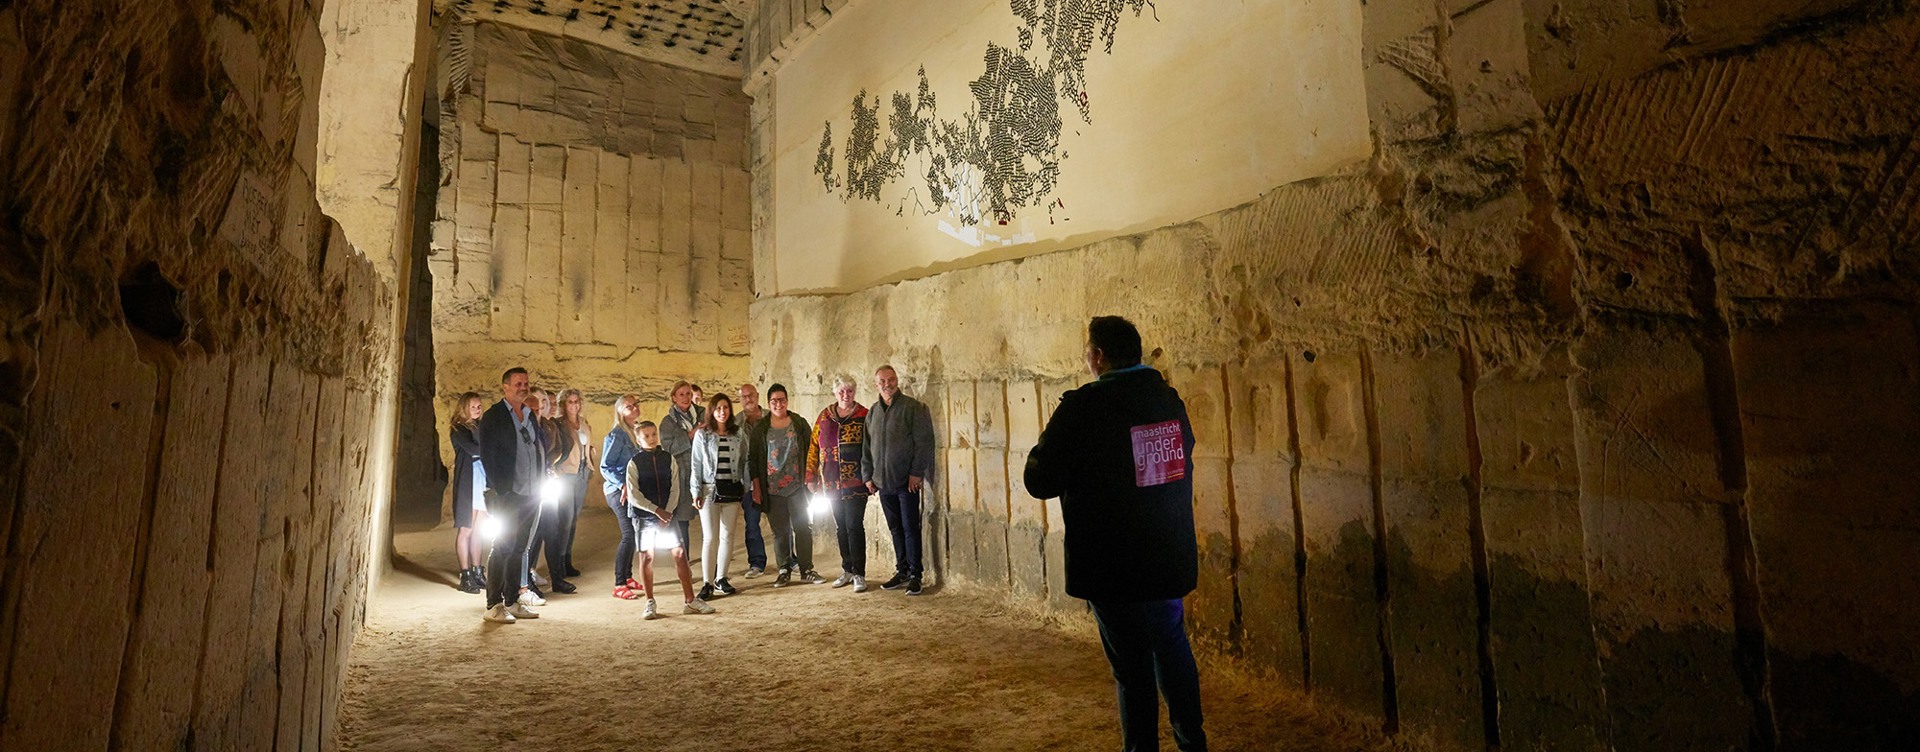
[
  {"x": 1115, "y": 452},
  {"x": 522, "y": 464},
  {"x": 562, "y": 437}
]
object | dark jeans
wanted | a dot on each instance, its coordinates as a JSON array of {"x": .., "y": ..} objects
[
  {"x": 572, "y": 499},
  {"x": 551, "y": 534},
  {"x": 902, "y": 508},
  {"x": 792, "y": 530},
  {"x": 850, "y": 527},
  {"x": 623, "y": 553},
  {"x": 517, "y": 515},
  {"x": 1146, "y": 644},
  {"x": 756, "y": 545}
]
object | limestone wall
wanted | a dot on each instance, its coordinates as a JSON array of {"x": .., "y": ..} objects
[
  {"x": 194, "y": 360},
  {"x": 1578, "y": 416},
  {"x": 593, "y": 222}
]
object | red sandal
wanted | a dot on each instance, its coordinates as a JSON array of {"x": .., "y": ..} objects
[
  {"x": 625, "y": 593},
  {"x": 634, "y": 585}
]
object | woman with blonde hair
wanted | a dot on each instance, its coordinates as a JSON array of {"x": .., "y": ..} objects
[
  {"x": 569, "y": 459},
  {"x": 622, "y": 442},
  {"x": 469, "y": 483}
]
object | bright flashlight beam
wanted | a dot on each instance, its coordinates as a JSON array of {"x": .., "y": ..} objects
[
  {"x": 661, "y": 539},
  {"x": 820, "y": 504},
  {"x": 490, "y": 528},
  {"x": 550, "y": 492}
]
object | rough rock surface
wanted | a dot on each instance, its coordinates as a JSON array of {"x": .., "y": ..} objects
[
  {"x": 1577, "y": 417},
  {"x": 194, "y": 354},
  {"x": 593, "y": 222}
]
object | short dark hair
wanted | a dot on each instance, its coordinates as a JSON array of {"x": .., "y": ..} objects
[
  {"x": 644, "y": 424},
  {"x": 508, "y": 376},
  {"x": 777, "y": 387},
  {"x": 1116, "y": 338}
]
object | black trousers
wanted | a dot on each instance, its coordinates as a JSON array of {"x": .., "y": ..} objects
[
  {"x": 555, "y": 527},
  {"x": 572, "y": 498},
  {"x": 1146, "y": 643},
  {"x": 629, "y": 518},
  {"x": 850, "y": 530},
  {"x": 902, "y": 508},
  {"x": 507, "y": 561}
]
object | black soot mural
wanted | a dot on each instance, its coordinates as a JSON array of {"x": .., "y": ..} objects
[{"x": 1004, "y": 153}]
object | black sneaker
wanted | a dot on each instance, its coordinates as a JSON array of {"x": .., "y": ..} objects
[
  {"x": 783, "y": 578},
  {"x": 564, "y": 587},
  {"x": 898, "y": 581},
  {"x": 706, "y": 593},
  {"x": 469, "y": 583},
  {"x": 723, "y": 587},
  {"x": 571, "y": 572},
  {"x": 913, "y": 586}
]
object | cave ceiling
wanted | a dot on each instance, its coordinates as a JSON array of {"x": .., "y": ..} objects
[{"x": 704, "y": 35}]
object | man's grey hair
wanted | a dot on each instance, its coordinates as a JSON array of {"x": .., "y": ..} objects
[
  {"x": 884, "y": 367},
  {"x": 841, "y": 379}
]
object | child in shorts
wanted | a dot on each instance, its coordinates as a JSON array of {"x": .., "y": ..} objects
[{"x": 660, "y": 511}]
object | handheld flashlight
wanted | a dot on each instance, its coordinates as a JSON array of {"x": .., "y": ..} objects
[
  {"x": 490, "y": 528},
  {"x": 662, "y": 539},
  {"x": 550, "y": 492}
]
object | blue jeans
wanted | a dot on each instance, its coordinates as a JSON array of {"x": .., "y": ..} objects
[
  {"x": 623, "y": 553},
  {"x": 756, "y": 545},
  {"x": 902, "y": 509},
  {"x": 1146, "y": 643}
]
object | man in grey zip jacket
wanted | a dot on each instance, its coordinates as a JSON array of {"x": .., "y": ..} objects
[{"x": 896, "y": 462}]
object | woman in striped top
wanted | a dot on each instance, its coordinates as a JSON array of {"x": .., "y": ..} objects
[{"x": 718, "y": 483}]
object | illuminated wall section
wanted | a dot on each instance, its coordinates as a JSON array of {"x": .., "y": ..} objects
[{"x": 911, "y": 137}]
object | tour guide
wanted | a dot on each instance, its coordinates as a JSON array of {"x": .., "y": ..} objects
[{"x": 1115, "y": 453}]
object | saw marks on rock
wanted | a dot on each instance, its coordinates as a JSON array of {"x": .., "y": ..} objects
[
  {"x": 1625, "y": 198},
  {"x": 594, "y": 226},
  {"x": 1772, "y": 158},
  {"x": 173, "y": 285}
]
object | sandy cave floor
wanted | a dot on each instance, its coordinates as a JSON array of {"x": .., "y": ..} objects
[{"x": 804, "y": 667}]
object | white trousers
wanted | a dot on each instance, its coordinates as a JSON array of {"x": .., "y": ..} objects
[{"x": 717, "y": 522}]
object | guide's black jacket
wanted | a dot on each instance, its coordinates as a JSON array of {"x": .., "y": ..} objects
[{"x": 1124, "y": 543}]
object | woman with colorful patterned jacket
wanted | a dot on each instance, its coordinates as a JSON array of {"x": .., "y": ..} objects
[{"x": 833, "y": 469}]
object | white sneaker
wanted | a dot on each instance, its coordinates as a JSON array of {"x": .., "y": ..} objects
[
  {"x": 652, "y": 611},
  {"x": 520, "y": 611},
  {"x": 859, "y": 584},
  {"x": 532, "y": 599},
  {"x": 498, "y": 614},
  {"x": 844, "y": 580},
  {"x": 753, "y": 572},
  {"x": 540, "y": 580},
  {"x": 697, "y": 606}
]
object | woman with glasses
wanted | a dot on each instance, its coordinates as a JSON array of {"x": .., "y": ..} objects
[{"x": 833, "y": 469}]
